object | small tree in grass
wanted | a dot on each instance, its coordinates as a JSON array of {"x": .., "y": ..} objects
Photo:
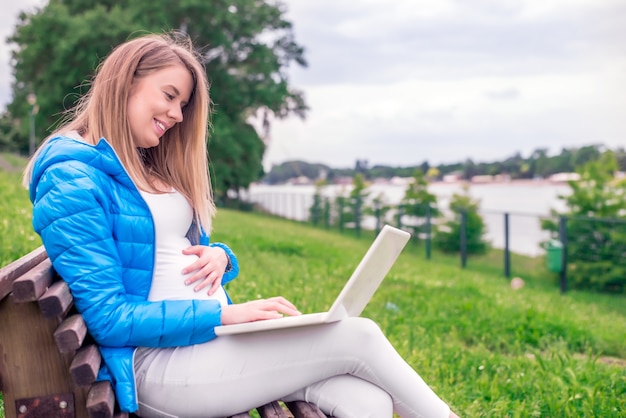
[
  {"x": 595, "y": 227},
  {"x": 352, "y": 206},
  {"x": 448, "y": 235},
  {"x": 317, "y": 210},
  {"x": 418, "y": 203}
]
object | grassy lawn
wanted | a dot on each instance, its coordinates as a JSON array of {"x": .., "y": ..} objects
[{"x": 488, "y": 350}]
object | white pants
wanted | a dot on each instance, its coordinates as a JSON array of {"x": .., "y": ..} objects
[{"x": 348, "y": 368}]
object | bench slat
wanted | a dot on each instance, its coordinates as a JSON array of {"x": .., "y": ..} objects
[
  {"x": 101, "y": 400},
  {"x": 70, "y": 335},
  {"x": 85, "y": 366},
  {"x": 272, "y": 410},
  {"x": 32, "y": 284},
  {"x": 301, "y": 409},
  {"x": 57, "y": 300},
  {"x": 11, "y": 272}
]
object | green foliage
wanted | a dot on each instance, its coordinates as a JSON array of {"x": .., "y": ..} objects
[
  {"x": 9, "y": 133},
  {"x": 379, "y": 210},
  {"x": 595, "y": 227},
  {"x": 447, "y": 237},
  {"x": 418, "y": 204},
  {"x": 246, "y": 45},
  {"x": 358, "y": 195},
  {"x": 280, "y": 173},
  {"x": 537, "y": 165},
  {"x": 318, "y": 211}
]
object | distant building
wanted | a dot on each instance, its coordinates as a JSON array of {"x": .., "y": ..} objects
[
  {"x": 452, "y": 177},
  {"x": 401, "y": 181},
  {"x": 300, "y": 180},
  {"x": 564, "y": 177},
  {"x": 482, "y": 179}
]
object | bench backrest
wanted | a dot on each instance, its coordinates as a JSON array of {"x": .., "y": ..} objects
[{"x": 48, "y": 365}]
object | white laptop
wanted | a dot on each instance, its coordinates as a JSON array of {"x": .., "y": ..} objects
[{"x": 354, "y": 296}]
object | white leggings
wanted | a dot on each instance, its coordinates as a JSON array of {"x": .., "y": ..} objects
[{"x": 348, "y": 369}]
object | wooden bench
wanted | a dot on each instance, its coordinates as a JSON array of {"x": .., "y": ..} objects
[{"x": 48, "y": 360}]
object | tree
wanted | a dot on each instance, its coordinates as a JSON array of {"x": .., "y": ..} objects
[
  {"x": 354, "y": 204},
  {"x": 595, "y": 227},
  {"x": 418, "y": 203},
  {"x": 247, "y": 45},
  {"x": 9, "y": 134},
  {"x": 447, "y": 238},
  {"x": 319, "y": 206}
]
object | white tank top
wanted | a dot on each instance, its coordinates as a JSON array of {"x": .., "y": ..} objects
[{"x": 173, "y": 216}]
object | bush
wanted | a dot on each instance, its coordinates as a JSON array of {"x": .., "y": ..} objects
[{"x": 448, "y": 235}]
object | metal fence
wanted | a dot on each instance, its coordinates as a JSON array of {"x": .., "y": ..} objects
[{"x": 595, "y": 245}]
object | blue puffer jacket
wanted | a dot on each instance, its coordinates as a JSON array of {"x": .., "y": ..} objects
[{"x": 99, "y": 235}]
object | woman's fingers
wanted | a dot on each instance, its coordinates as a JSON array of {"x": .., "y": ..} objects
[
  {"x": 208, "y": 268},
  {"x": 258, "y": 310},
  {"x": 284, "y": 302}
]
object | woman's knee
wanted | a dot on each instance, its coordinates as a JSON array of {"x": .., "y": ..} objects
[{"x": 362, "y": 330}]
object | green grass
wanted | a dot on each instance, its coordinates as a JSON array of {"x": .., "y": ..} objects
[
  {"x": 16, "y": 232},
  {"x": 488, "y": 350}
]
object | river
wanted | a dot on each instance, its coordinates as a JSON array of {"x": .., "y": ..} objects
[{"x": 526, "y": 202}]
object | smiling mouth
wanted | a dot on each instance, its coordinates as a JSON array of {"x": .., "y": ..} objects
[{"x": 161, "y": 126}]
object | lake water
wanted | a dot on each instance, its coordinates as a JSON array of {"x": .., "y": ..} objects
[{"x": 526, "y": 203}]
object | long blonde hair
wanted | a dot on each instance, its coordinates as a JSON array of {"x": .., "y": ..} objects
[{"x": 181, "y": 158}]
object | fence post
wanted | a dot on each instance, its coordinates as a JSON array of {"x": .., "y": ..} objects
[
  {"x": 463, "y": 238},
  {"x": 428, "y": 232},
  {"x": 507, "y": 254},
  {"x": 326, "y": 213},
  {"x": 377, "y": 215},
  {"x": 357, "y": 215},
  {"x": 563, "y": 238},
  {"x": 340, "y": 199}
]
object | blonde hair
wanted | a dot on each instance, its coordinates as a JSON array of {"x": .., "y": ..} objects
[{"x": 181, "y": 158}]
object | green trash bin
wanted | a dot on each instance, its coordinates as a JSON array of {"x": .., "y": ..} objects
[{"x": 554, "y": 255}]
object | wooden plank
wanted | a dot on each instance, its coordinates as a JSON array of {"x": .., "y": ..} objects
[
  {"x": 10, "y": 272},
  {"x": 32, "y": 284},
  {"x": 85, "y": 366},
  {"x": 57, "y": 300},
  {"x": 101, "y": 400},
  {"x": 301, "y": 409},
  {"x": 30, "y": 363},
  {"x": 272, "y": 410},
  {"x": 70, "y": 335}
]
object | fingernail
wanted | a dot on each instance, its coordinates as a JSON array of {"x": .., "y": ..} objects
[{"x": 186, "y": 282}]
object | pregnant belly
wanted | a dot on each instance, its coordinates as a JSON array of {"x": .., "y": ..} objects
[{"x": 168, "y": 282}]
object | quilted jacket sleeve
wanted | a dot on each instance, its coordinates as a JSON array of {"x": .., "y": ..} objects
[{"x": 70, "y": 216}]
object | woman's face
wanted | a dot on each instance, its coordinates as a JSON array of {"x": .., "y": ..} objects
[{"x": 156, "y": 103}]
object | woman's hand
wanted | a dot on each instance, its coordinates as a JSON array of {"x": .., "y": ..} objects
[
  {"x": 208, "y": 269},
  {"x": 257, "y": 310}
]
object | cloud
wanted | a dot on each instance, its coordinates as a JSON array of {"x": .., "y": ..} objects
[{"x": 446, "y": 80}]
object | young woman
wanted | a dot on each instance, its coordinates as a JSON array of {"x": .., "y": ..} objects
[{"x": 122, "y": 201}]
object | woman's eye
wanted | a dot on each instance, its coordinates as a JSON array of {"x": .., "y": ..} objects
[{"x": 169, "y": 96}]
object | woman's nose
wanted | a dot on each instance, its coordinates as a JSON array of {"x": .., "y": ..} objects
[{"x": 176, "y": 113}]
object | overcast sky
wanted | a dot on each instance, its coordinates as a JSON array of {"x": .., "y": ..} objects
[{"x": 398, "y": 82}]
